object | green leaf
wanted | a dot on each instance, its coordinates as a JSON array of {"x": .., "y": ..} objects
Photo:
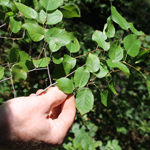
[
  {"x": 110, "y": 28},
  {"x": 51, "y": 4},
  {"x": 13, "y": 55},
  {"x": 148, "y": 84},
  {"x": 115, "y": 52},
  {"x": 67, "y": 67},
  {"x": 18, "y": 73},
  {"x": 70, "y": 11},
  {"x": 14, "y": 25},
  {"x": 100, "y": 38},
  {"x": 106, "y": 98},
  {"x": 135, "y": 31},
  {"x": 23, "y": 56},
  {"x": 1, "y": 72},
  {"x": 57, "y": 59},
  {"x": 58, "y": 37},
  {"x": 111, "y": 85},
  {"x": 92, "y": 63},
  {"x": 4, "y": 2},
  {"x": 70, "y": 60},
  {"x": 41, "y": 62},
  {"x": 27, "y": 11},
  {"x": 132, "y": 45},
  {"x": 120, "y": 66},
  {"x": 81, "y": 76},
  {"x": 84, "y": 100},
  {"x": 74, "y": 45},
  {"x": 43, "y": 16},
  {"x": 53, "y": 46},
  {"x": 102, "y": 72},
  {"x": 65, "y": 85},
  {"x": 35, "y": 31},
  {"x": 117, "y": 18},
  {"x": 54, "y": 17}
]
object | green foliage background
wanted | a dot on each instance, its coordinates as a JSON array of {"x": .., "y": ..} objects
[{"x": 124, "y": 125}]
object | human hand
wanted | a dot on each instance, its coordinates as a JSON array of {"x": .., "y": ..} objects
[{"x": 42, "y": 120}]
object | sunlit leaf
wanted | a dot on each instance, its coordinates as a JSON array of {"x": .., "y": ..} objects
[
  {"x": 70, "y": 11},
  {"x": 43, "y": 16},
  {"x": 74, "y": 45},
  {"x": 115, "y": 52},
  {"x": 67, "y": 67},
  {"x": 1, "y": 72},
  {"x": 135, "y": 31},
  {"x": 110, "y": 28},
  {"x": 92, "y": 63},
  {"x": 35, "y": 31},
  {"x": 53, "y": 46},
  {"x": 102, "y": 72},
  {"x": 41, "y": 62},
  {"x": 54, "y": 17},
  {"x": 69, "y": 60},
  {"x": 65, "y": 85},
  {"x": 51, "y": 4},
  {"x": 23, "y": 56},
  {"x": 119, "y": 65},
  {"x": 132, "y": 45},
  {"x": 57, "y": 59},
  {"x": 4, "y": 2},
  {"x": 100, "y": 38},
  {"x": 117, "y": 18},
  {"x": 81, "y": 76},
  {"x": 84, "y": 100},
  {"x": 58, "y": 36},
  {"x": 18, "y": 73},
  {"x": 14, "y": 25},
  {"x": 27, "y": 11}
]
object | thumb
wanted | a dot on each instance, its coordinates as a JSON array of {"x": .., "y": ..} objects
[{"x": 52, "y": 98}]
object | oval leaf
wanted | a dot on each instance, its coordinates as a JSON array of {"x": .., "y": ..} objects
[
  {"x": 27, "y": 11},
  {"x": 117, "y": 18},
  {"x": 65, "y": 85},
  {"x": 41, "y": 62},
  {"x": 13, "y": 55},
  {"x": 14, "y": 25},
  {"x": 100, "y": 38},
  {"x": 132, "y": 45},
  {"x": 57, "y": 59},
  {"x": 54, "y": 17},
  {"x": 84, "y": 100},
  {"x": 51, "y": 4},
  {"x": 81, "y": 76},
  {"x": 92, "y": 63},
  {"x": 110, "y": 28}
]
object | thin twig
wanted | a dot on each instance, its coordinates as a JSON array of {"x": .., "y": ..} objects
[
  {"x": 2, "y": 25},
  {"x": 5, "y": 79},
  {"x": 48, "y": 71},
  {"x": 35, "y": 69},
  {"x": 46, "y": 88},
  {"x": 12, "y": 81}
]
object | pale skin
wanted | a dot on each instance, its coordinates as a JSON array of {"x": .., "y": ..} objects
[{"x": 36, "y": 122}]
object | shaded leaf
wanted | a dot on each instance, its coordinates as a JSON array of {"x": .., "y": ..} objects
[
  {"x": 65, "y": 85},
  {"x": 1, "y": 72},
  {"x": 70, "y": 11},
  {"x": 51, "y": 4},
  {"x": 13, "y": 55},
  {"x": 100, "y": 38},
  {"x": 92, "y": 63},
  {"x": 117, "y": 18},
  {"x": 111, "y": 85},
  {"x": 132, "y": 45},
  {"x": 67, "y": 67},
  {"x": 18, "y": 73},
  {"x": 106, "y": 98},
  {"x": 27, "y": 11},
  {"x": 84, "y": 100},
  {"x": 70, "y": 60},
  {"x": 110, "y": 28},
  {"x": 81, "y": 76},
  {"x": 148, "y": 84},
  {"x": 120, "y": 66}
]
